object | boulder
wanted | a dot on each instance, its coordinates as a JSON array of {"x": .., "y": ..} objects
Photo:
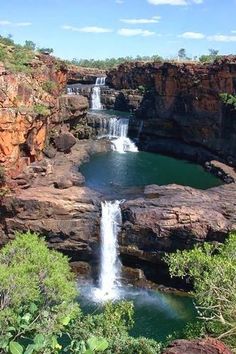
[
  {"x": 64, "y": 142},
  {"x": 200, "y": 346}
]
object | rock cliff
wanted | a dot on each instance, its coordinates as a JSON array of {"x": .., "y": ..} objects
[
  {"x": 182, "y": 107},
  {"x": 31, "y": 108}
]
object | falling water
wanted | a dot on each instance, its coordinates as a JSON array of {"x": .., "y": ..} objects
[
  {"x": 110, "y": 266},
  {"x": 96, "y": 98},
  {"x": 118, "y": 134},
  {"x": 96, "y": 93}
]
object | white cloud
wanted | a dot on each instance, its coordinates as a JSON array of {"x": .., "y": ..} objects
[
  {"x": 192, "y": 35},
  {"x": 135, "y": 21},
  {"x": 128, "y": 32},
  {"x": 87, "y": 29},
  {"x": 222, "y": 38},
  {"x": 14, "y": 24},
  {"x": 174, "y": 2},
  {"x": 233, "y": 31}
]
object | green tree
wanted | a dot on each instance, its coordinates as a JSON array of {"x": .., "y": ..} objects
[
  {"x": 212, "y": 269},
  {"x": 182, "y": 54},
  {"x": 37, "y": 292},
  {"x": 45, "y": 50},
  {"x": 30, "y": 45}
]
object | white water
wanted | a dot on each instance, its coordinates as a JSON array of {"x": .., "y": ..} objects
[
  {"x": 116, "y": 130},
  {"x": 96, "y": 94},
  {"x": 96, "y": 98},
  {"x": 110, "y": 265}
]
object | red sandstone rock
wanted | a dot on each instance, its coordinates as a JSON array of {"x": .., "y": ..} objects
[{"x": 204, "y": 346}]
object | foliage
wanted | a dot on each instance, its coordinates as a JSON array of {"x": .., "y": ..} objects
[
  {"x": 2, "y": 175},
  {"x": 212, "y": 269},
  {"x": 37, "y": 292},
  {"x": 45, "y": 50},
  {"x": 182, "y": 53},
  {"x": 113, "y": 324},
  {"x": 228, "y": 99},
  {"x": 110, "y": 63},
  {"x": 41, "y": 109},
  {"x": 30, "y": 45},
  {"x": 208, "y": 58},
  {"x": 49, "y": 86}
]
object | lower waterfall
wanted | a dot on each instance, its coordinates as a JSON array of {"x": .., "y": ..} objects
[
  {"x": 118, "y": 134},
  {"x": 110, "y": 265}
]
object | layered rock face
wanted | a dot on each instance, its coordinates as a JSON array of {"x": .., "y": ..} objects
[
  {"x": 173, "y": 217},
  {"x": 31, "y": 108},
  {"x": 182, "y": 107}
]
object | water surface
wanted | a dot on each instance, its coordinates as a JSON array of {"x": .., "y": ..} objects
[{"x": 111, "y": 172}]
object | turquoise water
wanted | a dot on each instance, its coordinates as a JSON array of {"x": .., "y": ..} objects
[
  {"x": 157, "y": 314},
  {"x": 111, "y": 172}
]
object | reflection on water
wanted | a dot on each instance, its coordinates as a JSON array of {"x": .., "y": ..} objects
[{"x": 111, "y": 172}]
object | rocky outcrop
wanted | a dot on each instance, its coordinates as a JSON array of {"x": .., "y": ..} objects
[
  {"x": 200, "y": 346},
  {"x": 68, "y": 215},
  {"x": 79, "y": 74},
  {"x": 182, "y": 106},
  {"x": 173, "y": 217},
  {"x": 33, "y": 109}
]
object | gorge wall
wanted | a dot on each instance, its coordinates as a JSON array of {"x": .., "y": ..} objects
[
  {"x": 181, "y": 110},
  {"x": 34, "y": 108}
]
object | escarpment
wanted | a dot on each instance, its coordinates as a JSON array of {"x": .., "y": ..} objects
[{"x": 182, "y": 111}]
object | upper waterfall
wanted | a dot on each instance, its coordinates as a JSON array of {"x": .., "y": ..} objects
[{"x": 96, "y": 94}]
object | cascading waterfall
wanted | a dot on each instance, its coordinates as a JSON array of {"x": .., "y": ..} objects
[
  {"x": 110, "y": 266},
  {"x": 96, "y": 93},
  {"x": 118, "y": 134}
]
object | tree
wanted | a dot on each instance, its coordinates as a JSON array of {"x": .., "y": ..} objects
[
  {"x": 37, "y": 291},
  {"x": 45, "y": 50},
  {"x": 213, "y": 53},
  {"x": 212, "y": 269},
  {"x": 182, "y": 54},
  {"x": 30, "y": 45}
]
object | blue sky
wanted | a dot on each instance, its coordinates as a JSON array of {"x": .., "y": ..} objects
[{"x": 113, "y": 28}]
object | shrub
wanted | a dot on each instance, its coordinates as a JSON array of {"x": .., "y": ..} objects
[
  {"x": 2, "y": 175},
  {"x": 37, "y": 292},
  {"x": 228, "y": 99},
  {"x": 213, "y": 272},
  {"x": 49, "y": 86},
  {"x": 41, "y": 109}
]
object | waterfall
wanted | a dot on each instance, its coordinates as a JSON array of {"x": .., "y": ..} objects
[
  {"x": 118, "y": 134},
  {"x": 96, "y": 98},
  {"x": 100, "y": 81},
  {"x": 96, "y": 93},
  {"x": 110, "y": 266}
]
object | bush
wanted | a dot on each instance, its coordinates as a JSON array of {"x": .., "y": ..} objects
[
  {"x": 2, "y": 175},
  {"x": 213, "y": 272},
  {"x": 228, "y": 99},
  {"x": 49, "y": 86},
  {"x": 41, "y": 110},
  {"x": 37, "y": 292}
]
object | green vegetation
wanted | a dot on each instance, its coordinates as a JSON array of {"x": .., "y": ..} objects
[
  {"x": 228, "y": 99},
  {"x": 40, "y": 314},
  {"x": 110, "y": 63},
  {"x": 49, "y": 86},
  {"x": 2, "y": 175},
  {"x": 41, "y": 109},
  {"x": 212, "y": 269},
  {"x": 209, "y": 58}
]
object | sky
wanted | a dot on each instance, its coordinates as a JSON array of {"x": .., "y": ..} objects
[{"x": 116, "y": 28}]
